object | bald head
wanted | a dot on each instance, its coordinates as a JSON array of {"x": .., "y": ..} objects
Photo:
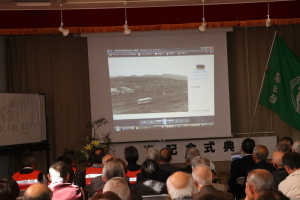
[
  {"x": 106, "y": 158},
  {"x": 202, "y": 175},
  {"x": 38, "y": 191},
  {"x": 180, "y": 185},
  {"x": 260, "y": 153},
  {"x": 277, "y": 159}
]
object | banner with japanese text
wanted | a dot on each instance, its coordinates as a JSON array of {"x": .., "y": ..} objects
[{"x": 281, "y": 87}]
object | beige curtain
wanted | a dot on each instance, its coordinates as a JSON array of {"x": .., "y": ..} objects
[
  {"x": 58, "y": 67},
  {"x": 249, "y": 48}
]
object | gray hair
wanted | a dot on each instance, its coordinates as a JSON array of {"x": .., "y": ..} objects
[
  {"x": 152, "y": 154},
  {"x": 283, "y": 147},
  {"x": 113, "y": 169},
  {"x": 119, "y": 186},
  {"x": 296, "y": 145},
  {"x": 261, "y": 152},
  {"x": 198, "y": 160},
  {"x": 178, "y": 193},
  {"x": 202, "y": 175},
  {"x": 261, "y": 180},
  {"x": 191, "y": 153}
]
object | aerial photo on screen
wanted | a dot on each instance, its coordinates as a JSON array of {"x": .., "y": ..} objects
[{"x": 149, "y": 94}]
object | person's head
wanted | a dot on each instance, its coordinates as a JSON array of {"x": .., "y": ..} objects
[
  {"x": 191, "y": 153},
  {"x": 97, "y": 155},
  {"x": 273, "y": 195},
  {"x": 180, "y": 185},
  {"x": 291, "y": 162},
  {"x": 64, "y": 159},
  {"x": 283, "y": 147},
  {"x": 202, "y": 176},
  {"x": 149, "y": 169},
  {"x": 198, "y": 160},
  {"x": 277, "y": 159},
  {"x": 28, "y": 160},
  {"x": 59, "y": 171},
  {"x": 119, "y": 186},
  {"x": 71, "y": 155},
  {"x": 38, "y": 191},
  {"x": 165, "y": 155},
  {"x": 107, "y": 158},
  {"x": 295, "y": 146},
  {"x": 111, "y": 169},
  {"x": 152, "y": 154},
  {"x": 289, "y": 141},
  {"x": 9, "y": 189},
  {"x": 108, "y": 195},
  {"x": 131, "y": 154},
  {"x": 260, "y": 153},
  {"x": 248, "y": 146},
  {"x": 259, "y": 182}
]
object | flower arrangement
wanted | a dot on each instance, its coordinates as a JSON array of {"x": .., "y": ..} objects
[{"x": 93, "y": 142}]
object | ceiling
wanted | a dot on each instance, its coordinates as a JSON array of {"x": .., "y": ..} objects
[{"x": 109, "y": 4}]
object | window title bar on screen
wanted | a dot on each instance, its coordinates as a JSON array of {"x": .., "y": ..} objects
[{"x": 159, "y": 52}]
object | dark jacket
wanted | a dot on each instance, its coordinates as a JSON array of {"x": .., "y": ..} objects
[
  {"x": 278, "y": 176},
  {"x": 168, "y": 168},
  {"x": 210, "y": 190}
]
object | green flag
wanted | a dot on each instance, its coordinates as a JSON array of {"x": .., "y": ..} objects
[{"x": 281, "y": 87}]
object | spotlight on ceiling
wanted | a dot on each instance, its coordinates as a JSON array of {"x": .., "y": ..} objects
[
  {"x": 202, "y": 27},
  {"x": 63, "y": 30},
  {"x": 127, "y": 30}
]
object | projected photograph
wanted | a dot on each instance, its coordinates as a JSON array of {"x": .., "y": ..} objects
[{"x": 149, "y": 94}]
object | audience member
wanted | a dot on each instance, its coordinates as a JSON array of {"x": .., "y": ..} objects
[
  {"x": 71, "y": 155},
  {"x": 62, "y": 190},
  {"x": 273, "y": 195},
  {"x": 283, "y": 147},
  {"x": 239, "y": 166},
  {"x": 289, "y": 141},
  {"x": 260, "y": 154},
  {"x": 165, "y": 158},
  {"x": 67, "y": 161},
  {"x": 106, "y": 158},
  {"x": 9, "y": 189},
  {"x": 198, "y": 160},
  {"x": 180, "y": 186},
  {"x": 295, "y": 146},
  {"x": 190, "y": 153},
  {"x": 162, "y": 175},
  {"x": 97, "y": 167},
  {"x": 28, "y": 174},
  {"x": 150, "y": 186},
  {"x": 290, "y": 187},
  {"x": 38, "y": 191},
  {"x": 203, "y": 182},
  {"x": 280, "y": 173},
  {"x": 259, "y": 182},
  {"x": 132, "y": 156},
  {"x": 108, "y": 195},
  {"x": 119, "y": 186}
]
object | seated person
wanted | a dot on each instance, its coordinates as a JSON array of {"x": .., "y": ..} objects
[
  {"x": 132, "y": 156},
  {"x": 97, "y": 167},
  {"x": 150, "y": 186},
  {"x": 38, "y": 191},
  {"x": 9, "y": 189},
  {"x": 106, "y": 196},
  {"x": 28, "y": 174},
  {"x": 118, "y": 186},
  {"x": 59, "y": 173}
]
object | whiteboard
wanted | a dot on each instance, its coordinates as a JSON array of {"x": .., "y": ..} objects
[{"x": 22, "y": 118}]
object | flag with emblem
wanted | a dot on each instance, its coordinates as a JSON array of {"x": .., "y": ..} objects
[{"x": 281, "y": 87}]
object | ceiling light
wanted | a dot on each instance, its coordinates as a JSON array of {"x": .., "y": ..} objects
[
  {"x": 63, "y": 30},
  {"x": 202, "y": 27},
  {"x": 268, "y": 21},
  {"x": 127, "y": 30}
]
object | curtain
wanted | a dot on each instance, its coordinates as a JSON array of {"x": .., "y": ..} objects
[
  {"x": 249, "y": 49},
  {"x": 57, "y": 66}
]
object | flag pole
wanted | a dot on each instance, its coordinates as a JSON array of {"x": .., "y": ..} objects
[{"x": 261, "y": 85}]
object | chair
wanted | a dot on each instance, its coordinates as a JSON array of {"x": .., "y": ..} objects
[{"x": 158, "y": 197}]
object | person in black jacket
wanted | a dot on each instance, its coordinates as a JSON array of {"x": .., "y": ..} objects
[
  {"x": 238, "y": 168},
  {"x": 280, "y": 173}
]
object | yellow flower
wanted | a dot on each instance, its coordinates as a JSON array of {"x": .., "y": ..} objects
[
  {"x": 95, "y": 143},
  {"x": 88, "y": 147}
]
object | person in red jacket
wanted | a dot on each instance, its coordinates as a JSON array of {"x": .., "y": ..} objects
[
  {"x": 28, "y": 174},
  {"x": 132, "y": 156}
]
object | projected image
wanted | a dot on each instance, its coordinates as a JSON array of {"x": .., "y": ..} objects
[
  {"x": 161, "y": 88},
  {"x": 149, "y": 94}
]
